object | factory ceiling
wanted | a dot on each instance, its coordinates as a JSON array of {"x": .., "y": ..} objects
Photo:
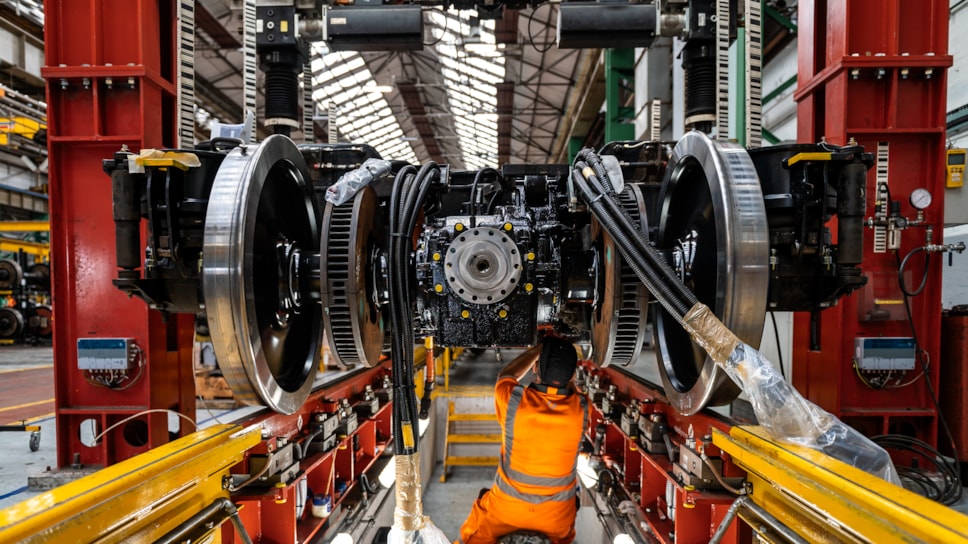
[{"x": 481, "y": 92}]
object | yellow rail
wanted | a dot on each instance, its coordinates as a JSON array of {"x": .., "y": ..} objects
[
  {"x": 825, "y": 500},
  {"x": 24, "y": 226},
  {"x": 31, "y": 248},
  {"x": 138, "y": 500}
]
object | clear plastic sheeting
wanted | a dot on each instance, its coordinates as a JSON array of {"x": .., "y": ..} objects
[
  {"x": 789, "y": 417},
  {"x": 410, "y": 526},
  {"x": 781, "y": 409},
  {"x": 351, "y": 182},
  {"x": 428, "y": 534}
]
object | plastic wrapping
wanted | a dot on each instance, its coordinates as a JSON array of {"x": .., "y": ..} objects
[
  {"x": 788, "y": 417},
  {"x": 428, "y": 534},
  {"x": 351, "y": 182},
  {"x": 410, "y": 526},
  {"x": 710, "y": 333},
  {"x": 781, "y": 409}
]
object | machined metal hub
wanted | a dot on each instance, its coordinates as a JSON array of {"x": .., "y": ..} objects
[{"x": 483, "y": 265}]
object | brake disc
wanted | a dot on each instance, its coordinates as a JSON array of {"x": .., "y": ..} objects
[
  {"x": 713, "y": 230},
  {"x": 621, "y": 301},
  {"x": 353, "y": 320},
  {"x": 260, "y": 227}
]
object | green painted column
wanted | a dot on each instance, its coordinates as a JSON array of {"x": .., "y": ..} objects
[
  {"x": 619, "y": 83},
  {"x": 574, "y": 146}
]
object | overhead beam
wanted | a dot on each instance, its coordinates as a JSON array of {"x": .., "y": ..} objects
[
  {"x": 24, "y": 57},
  {"x": 505, "y": 111},
  {"x": 584, "y": 104},
  {"x": 215, "y": 30},
  {"x": 418, "y": 114},
  {"x": 506, "y": 28}
]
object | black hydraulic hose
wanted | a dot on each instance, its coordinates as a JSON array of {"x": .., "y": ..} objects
[
  {"x": 656, "y": 267},
  {"x": 398, "y": 182},
  {"x": 395, "y": 270},
  {"x": 477, "y": 179},
  {"x": 492, "y": 203},
  {"x": 595, "y": 161},
  {"x": 409, "y": 192},
  {"x": 650, "y": 267},
  {"x": 924, "y": 276}
]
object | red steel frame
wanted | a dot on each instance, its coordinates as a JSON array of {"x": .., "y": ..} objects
[
  {"x": 875, "y": 71},
  {"x": 133, "y": 44},
  {"x": 698, "y": 513},
  {"x": 269, "y": 515}
]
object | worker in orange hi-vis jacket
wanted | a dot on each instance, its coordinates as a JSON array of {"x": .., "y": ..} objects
[{"x": 542, "y": 426}]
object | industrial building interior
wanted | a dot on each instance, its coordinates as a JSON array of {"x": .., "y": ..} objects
[{"x": 262, "y": 262}]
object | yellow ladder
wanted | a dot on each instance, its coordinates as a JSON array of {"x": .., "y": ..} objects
[{"x": 454, "y": 437}]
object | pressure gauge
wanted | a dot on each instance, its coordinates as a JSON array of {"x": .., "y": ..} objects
[{"x": 920, "y": 198}]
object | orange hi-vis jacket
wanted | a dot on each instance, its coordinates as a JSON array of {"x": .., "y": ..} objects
[{"x": 534, "y": 488}]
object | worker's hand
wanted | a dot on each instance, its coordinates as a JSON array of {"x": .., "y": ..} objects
[{"x": 544, "y": 331}]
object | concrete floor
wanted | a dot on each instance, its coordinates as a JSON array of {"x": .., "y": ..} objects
[{"x": 26, "y": 394}]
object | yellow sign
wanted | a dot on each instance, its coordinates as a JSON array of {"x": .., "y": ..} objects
[{"x": 955, "y": 170}]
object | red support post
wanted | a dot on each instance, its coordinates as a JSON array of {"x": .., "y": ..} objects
[
  {"x": 875, "y": 71},
  {"x": 111, "y": 82}
]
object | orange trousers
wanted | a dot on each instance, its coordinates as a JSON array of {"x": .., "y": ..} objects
[{"x": 495, "y": 515}]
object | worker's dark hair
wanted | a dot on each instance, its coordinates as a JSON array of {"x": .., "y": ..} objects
[{"x": 557, "y": 362}]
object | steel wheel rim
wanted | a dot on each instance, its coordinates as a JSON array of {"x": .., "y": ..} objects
[
  {"x": 718, "y": 178},
  {"x": 263, "y": 361}
]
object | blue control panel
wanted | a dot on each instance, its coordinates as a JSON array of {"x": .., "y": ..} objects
[
  {"x": 104, "y": 353},
  {"x": 885, "y": 353}
]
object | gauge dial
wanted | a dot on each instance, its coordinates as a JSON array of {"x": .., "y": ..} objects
[{"x": 920, "y": 198}]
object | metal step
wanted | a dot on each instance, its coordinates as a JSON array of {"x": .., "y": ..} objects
[
  {"x": 470, "y": 462},
  {"x": 490, "y": 438}
]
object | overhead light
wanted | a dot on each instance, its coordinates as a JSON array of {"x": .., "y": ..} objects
[
  {"x": 480, "y": 46},
  {"x": 623, "y": 539},
  {"x": 342, "y": 538},
  {"x": 383, "y": 89}
]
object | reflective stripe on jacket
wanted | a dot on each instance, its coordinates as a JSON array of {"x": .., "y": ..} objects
[{"x": 542, "y": 430}]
